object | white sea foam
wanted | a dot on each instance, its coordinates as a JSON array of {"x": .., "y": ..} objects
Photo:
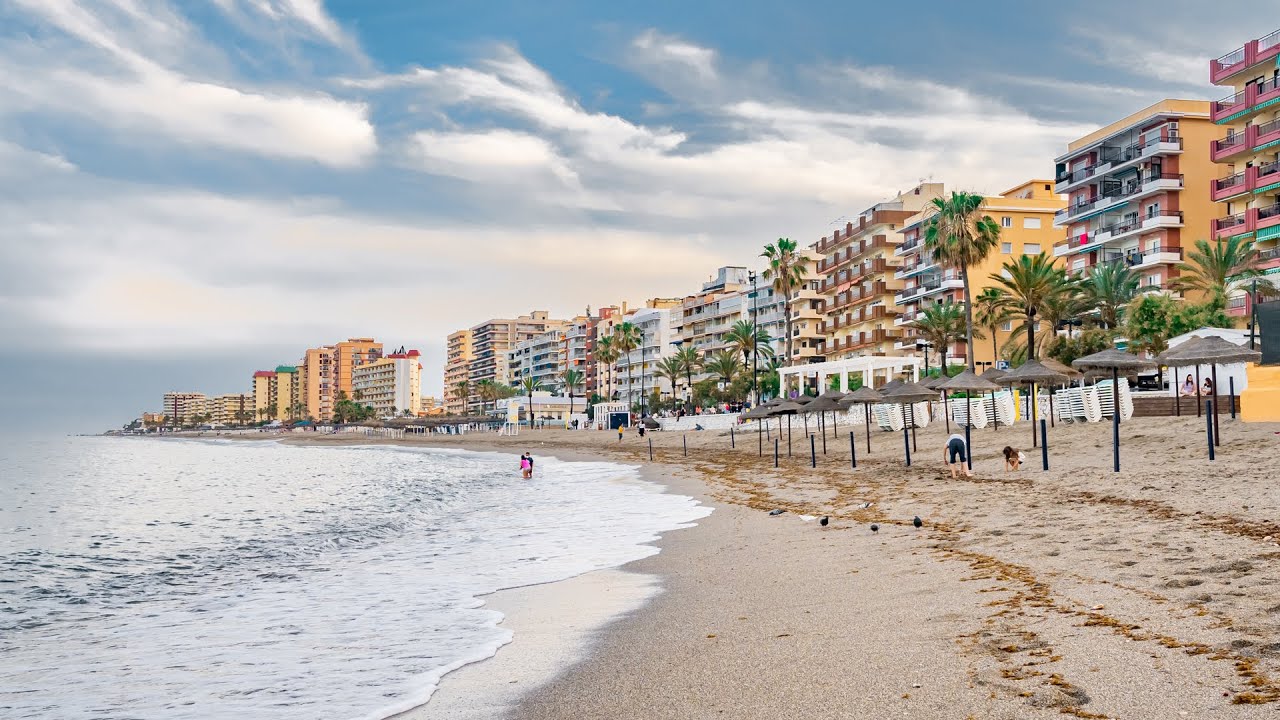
[{"x": 151, "y": 579}]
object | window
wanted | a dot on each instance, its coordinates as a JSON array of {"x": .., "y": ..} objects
[
  {"x": 1153, "y": 280},
  {"x": 1006, "y": 248},
  {"x": 1031, "y": 223},
  {"x": 1078, "y": 265},
  {"x": 1031, "y": 248},
  {"x": 1007, "y": 326},
  {"x": 1006, "y": 221}
]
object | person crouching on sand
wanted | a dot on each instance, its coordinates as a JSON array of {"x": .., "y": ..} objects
[
  {"x": 1012, "y": 459},
  {"x": 956, "y": 453}
]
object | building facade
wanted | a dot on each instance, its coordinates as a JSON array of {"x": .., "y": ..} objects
[
  {"x": 391, "y": 385},
  {"x": 540, "y": 358},
  {"x": 317, "y": 386},
  {"x": 277, "y": 394},
  {"x": 231, "y": 409},
  {"x": 349, "y": 355},
  {"x": 182, "y": 407},
  {"x": 1246, "y": 148},
  {"x": 859, "y": 282},
  {"x": 1135, "y": 192},
  {"x": 492, "y": 342},
  {"x": 1025, "y": 215},
  {"x": 457, "y": 368},
  {"x": 637, "y": 370},
  {"x": 706, "y": 317}
]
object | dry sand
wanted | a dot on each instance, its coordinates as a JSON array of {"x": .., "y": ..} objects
[{"x": 1149, "y": 593}]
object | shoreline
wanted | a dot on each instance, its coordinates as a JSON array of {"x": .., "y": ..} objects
[{"x": 1148, "y": 593}]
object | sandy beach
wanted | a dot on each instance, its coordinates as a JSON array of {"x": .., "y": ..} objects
[{"x": 1149, "y": 593}]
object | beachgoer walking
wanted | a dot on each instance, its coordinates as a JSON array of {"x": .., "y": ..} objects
[
  {"x": 955, "y": 454},
  {"x": 619, "y": 433}
]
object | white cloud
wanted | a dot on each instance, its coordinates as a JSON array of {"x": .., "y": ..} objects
[
  {"x": 309, "y": 16},
  {"x": 660, "y": 50},
  {"x": 494, "y": 155},
  {"x": 102, "y": 71}
]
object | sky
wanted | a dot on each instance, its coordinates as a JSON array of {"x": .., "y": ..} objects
[{"x": 196, "y": 190}]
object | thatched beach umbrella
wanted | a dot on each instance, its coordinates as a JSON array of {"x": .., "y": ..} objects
[
  {"x": 969, "y": 383},
  {"x": 1169, "y": 358},
  {"x": 1032, "y": 373},
  {"x": 828, "y": 401},
  {"x": 788, "y": 408},
  {"x": 803, "y": 401},
  {"x": 993, "y": 374},
  {"x": 866, "y": 396},
  {"x": 1115, "y": 361},
  {"x": 1214, "y": 351},
  {"x": 906, "y": 394}
]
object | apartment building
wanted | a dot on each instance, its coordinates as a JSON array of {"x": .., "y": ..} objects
[
  {"x": 540, "y": 358},
  {"x": 492, "y": 342},
  {"x": 636, "y": 372},
  {"x": 1025, "y": 215},
  {"x": 349, "y": 355},
  {"x": 706, "y": 317},
  {"x": 859, "y": 282},
  {"x": 1246, "y": 148},
  {"x": 609, "y": 318},
  {"x": 391, "y": 385},
  {"x": 276, "y": 394},
  {"x": 580, "y": 341},
  {"x": 316, "y": 382},
  {"x": 1127, "y": 191},
  {"x": 457, "y": 368},
  {"x": 182, "y": 407},
  {"x": 231, "y": 409}
]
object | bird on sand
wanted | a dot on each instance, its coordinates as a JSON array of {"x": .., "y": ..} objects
[
  {"x": 917, "y": 521},
  {"x": 823, "y": 522},
  {"x": 875, "y": 527},
  {"x": 866, "y": 505},
  {"x": 779, "y": 511}
]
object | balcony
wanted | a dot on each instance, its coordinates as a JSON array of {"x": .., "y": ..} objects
[
  {"x": 1154, "y": 183},
  {"x": 1147, "y": 258},
  {"x": 1264, "y": 134},
  {"x": 1231, "y": 225},
  {"x": 1244, "y": 103},
  {"x": 1268, "y": 216},
  {"x": 1269, "y": 258},
  {"x": 1232, "y": 185},
  {"x": 915, "y": 268},
  {"x": 1233, "y": 144},
  {"x": 908, "y": 246}
]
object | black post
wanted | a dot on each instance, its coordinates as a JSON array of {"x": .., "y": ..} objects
[
  {"x": 1031, "y": 410},
  {"x": 1177, "y": 395},
  {"x": 1044, "y": 446},
  {"x": 1051, "y": 420},
  {"x": 788, "y": 436},
  {"x": 853, "y": 451},
  {"x": 813, "y": 453},
  {"x": 759, "y": 439},
  {"x": 732, "y": 443},
  {"x": 1231, "y": 384},
  {"x": 685, "y": 440},
  {"x": 906, "y": 443},
  {"x": 968, "y": 445},
  {"x": 1197, "y": 389},
  {"x": 1253, "y": 313},
  {"x": 650, "y": 449},
  {"x": 867, "y": 408},
  {"x": 775, "y": 452},
  {"x": 1217, "y": 431},
  {"x": 995, "y": 413},
  {"x": 1208, "y": 425},
  {"x": 1115, "y": 418},
  {"x": 912, "y": 410},
  {"x": 824, "y": 440}
]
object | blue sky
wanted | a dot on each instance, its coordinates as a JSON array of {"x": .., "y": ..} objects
[{"x": 195, "y": 190}]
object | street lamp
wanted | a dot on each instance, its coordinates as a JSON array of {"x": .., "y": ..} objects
[
  {"x": 644, "y": 398},
  {"x": 922, "y": 346},
  {"x": 755, "y": 302}
]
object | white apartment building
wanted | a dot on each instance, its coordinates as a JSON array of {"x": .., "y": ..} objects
[
  {"x": 541, "y": 357},
  {"x": 641, "y": 365},
  {"x": 391, "y": 384}
]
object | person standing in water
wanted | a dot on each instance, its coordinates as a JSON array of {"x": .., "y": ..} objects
[
  {"x": 956, "y": 454},
  {"x": 526, "y": 466}
]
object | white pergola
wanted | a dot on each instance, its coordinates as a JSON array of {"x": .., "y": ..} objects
[{"x": 867, "y": 365}]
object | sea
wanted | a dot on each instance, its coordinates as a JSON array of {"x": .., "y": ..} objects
[{"x": 177, "y": 578}]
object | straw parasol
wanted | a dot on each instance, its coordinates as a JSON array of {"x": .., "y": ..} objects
[
  {"x": 788, "y": 408},
  {"x": 891, "y": 386},
  {"x": 1056, "y": 366},
  {"x": 906, "y": 394},
  {"x": 969, "y": 383},
  {"x": 1115, "y": 361},
  {"x": 867, "y": 396},
  {"x": 1169, "y": 358},
  {"x": 1211, "y": 350},
  {"x": 1034, "y": 372},
  {"x": 828, "y": 401}
]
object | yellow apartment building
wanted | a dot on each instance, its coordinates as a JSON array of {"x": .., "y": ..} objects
[
  {"x": 1025, "y": 214},
  {"x": 276, "y": 394},
  {"x": 182, "y": 407},
  {"x": 859, "y": 284},
  {"x": 391, "y": 385},
  {"x": 231, "y": 409},
  {"x": 457, "y": 367}
]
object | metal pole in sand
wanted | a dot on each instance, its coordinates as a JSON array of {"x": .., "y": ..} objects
[
  {"x": 775, "y": 453},
  {"x": 1044, "y": 446},
  {"x": 968, "y": 431},
  {"x": 1115, "y": 418},
  {"x": 853, "y": 451},
  {"x": 1197, "y": 389},
  {"x": 650, "y": 449},
  {"x": 824, "y": 441},
  {"x": 1208, "y": 425},
  {"x": 867, "y": 407},
  {"x": 685, "y": 440},
  {"x": 732, "y": 443},
  {"x": 1034, "y": 414},
  {"x": 1231, "y": 384},
  {"x": 1217, "y": 431},
  {"x": 759, "y": 439},
  {"x": 906, "y": 443},
  {"x": 813, "y": 453},
  {"x": 788, "y": 436}
]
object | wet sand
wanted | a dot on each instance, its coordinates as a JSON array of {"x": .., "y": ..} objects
[{"x": 1149, "y": 593}]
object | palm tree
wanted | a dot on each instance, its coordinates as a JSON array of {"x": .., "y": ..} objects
[
  {"x": 787, "y": 269},
  {"x": 486, "y": 389},
  {"x": 1108, "y": 288},
  {"x": 626, "y": 338},
  {"x": 1032, "y": 281},
  {"x": 573, "y": 380},
  {"x": 272, "y": 411},
  {"x": 1220, "y": 269},
  {"x": 607, "y": 353},
  {"x": 530, "y": 385},
  {"x": 463, "y": 390},
  {"x": 724, "y": 365},
  {"x": 992, "y": 308},
  {"x": 747, "y": 338},
  {"x": 671, "y": 369},
  {"x": 941, "y": 324},
  {"x": 1067, "y": 303},
  {"x": 690, "y": 363},
  {"x": 960, "y": 236}
]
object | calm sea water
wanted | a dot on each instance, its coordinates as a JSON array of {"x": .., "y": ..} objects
[{"x": 145, "y": 578}]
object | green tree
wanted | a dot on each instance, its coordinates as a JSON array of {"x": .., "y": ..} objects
[
  {"x": 1086, "y": 342},
  {"x": 1109, "y": 288},
  {"x": 941, "y": 324},
  {"x": 627, "y": 337},
  {"x": 1068, "y": 303},
  {"x": 747, "y": 339},
  {"x": 787, "y": 270},
  {"x": 690, "y": 362},
  {"x": 724, "y": 366},
  {"x": 1032, "y": 280},
  {"x": 960, "y": 236},
  {"x": 671, "y": 369},
  {"x": 572, "y": 379},
  {"x": 530, "y": 386},
  {"x": 607, "y": 352},
  {"x": 992, "y": 309},
  {"x": 487, "y": 390},
  {"x": 1218, "y": 270},
  {"x": 462, "y": 389}
]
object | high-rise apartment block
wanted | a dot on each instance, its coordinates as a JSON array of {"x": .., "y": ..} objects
[
  {"x": 182, "y": 407},
  {"x": 1246, "y": 148},
  {"x": 457, "y": 369},
  {"x": 391, "y": 385},
  {"x": 277, "y": 394},
  {"x": 1136, "y": 191},
  {"x": 491, "y": 343}
]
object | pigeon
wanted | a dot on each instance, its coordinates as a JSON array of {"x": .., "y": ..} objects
[
  {"x": 779, "y": 511},
  {"x": 917, "y": 521},
  {"x": 875, "y": 527},
  {"x": 823, "y": 522},
  {"x": 866, "y": 505}
]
